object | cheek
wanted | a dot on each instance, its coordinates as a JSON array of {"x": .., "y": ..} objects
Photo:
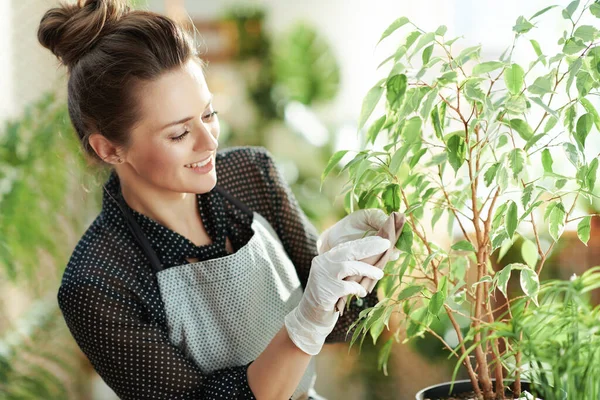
[{"x": 159, "y": 161}]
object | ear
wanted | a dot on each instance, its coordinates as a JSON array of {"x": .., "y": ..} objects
[{"x": 103, "y": 148}]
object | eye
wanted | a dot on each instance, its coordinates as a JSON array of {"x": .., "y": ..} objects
[
  {"x": 180, "y": 137},
  {"x": 210, "y": 117}
]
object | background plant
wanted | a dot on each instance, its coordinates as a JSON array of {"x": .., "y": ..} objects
[
  {"x": 464, "y": 138},
  {"x": 561, "y": 339}
]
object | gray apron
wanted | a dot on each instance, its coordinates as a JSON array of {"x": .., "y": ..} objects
[{"x": 223, "y": 312}]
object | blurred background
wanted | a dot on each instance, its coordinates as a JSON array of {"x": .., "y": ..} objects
[{"x": 287, "y": 75}]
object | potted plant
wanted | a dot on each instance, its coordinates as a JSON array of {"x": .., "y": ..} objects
[
  {"x": 561, "y": 339},
  {"x": 476, "y": 140}
]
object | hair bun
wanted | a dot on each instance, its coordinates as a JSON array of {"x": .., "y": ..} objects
[{"x": 71, "y": 30}]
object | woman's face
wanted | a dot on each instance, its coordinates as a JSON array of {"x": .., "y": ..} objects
[{"x": 178, "y": 127}]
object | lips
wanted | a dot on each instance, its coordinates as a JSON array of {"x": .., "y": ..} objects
[{"x": 199, "y": 163}]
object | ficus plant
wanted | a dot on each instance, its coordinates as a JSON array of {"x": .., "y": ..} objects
[{"x": 498, "y": 148}]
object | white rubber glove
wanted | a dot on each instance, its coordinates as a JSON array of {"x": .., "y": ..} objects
[
  {"x": 313, "y": 319},
  {"x": 354, "y": 226}
]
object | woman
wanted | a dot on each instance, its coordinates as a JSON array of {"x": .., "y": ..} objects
[{"x": 182, "y": 288}]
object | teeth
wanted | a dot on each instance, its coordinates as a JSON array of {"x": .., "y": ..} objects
[{"x": 202, "y": 164}]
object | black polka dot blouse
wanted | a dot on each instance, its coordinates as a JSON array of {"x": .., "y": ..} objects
[{"x": 110, "y": 299}]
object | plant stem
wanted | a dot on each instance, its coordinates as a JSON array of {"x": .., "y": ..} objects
[{"x": 467, "y": 360}]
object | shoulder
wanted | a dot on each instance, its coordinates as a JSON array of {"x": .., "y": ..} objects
[
  {"x": 105, "y": 259},
  {"x": 253, "y": 167},
  {"x": 254, "y": 158}
]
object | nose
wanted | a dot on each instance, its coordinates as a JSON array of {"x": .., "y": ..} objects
[{"x": 206, "y": 137}]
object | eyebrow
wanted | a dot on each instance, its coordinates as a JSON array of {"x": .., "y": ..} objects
[{"x": 181, "y": 121}]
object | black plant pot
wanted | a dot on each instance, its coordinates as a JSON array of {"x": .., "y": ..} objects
[{"x": 442, "y": 390}]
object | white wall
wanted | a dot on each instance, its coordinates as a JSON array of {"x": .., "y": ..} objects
[{"x": 6, "y": 83}]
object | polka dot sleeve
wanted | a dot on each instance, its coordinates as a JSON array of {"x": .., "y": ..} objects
[
  {"x": 299, "y": 238},
  {"x": 132, "y": 355}
]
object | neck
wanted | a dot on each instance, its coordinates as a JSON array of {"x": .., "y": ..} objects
[{"x": 177, "y": 211}]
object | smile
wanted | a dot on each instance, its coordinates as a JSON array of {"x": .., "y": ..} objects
[{"x": 199, "y": 164}]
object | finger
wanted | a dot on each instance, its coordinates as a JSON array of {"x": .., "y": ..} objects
[
  {"x": 376, "y": 218},
  {"x": 359, "y": 268},
  {"x": 354, "y": 288},
  {"x": 359, "y": 249}
]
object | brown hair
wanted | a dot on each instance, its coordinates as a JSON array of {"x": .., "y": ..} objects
[{"x": 109, "y": 52}]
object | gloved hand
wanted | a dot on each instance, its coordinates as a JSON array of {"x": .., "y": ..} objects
[
  {"x": 354, "y": 226},
  {"x": 313, "y": 319}
]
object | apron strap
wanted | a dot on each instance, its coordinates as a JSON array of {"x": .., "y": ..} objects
[
  {"x": 235, "y": 201},
  {"x": 141, "y": 238},
  {"x": 137, "y": 232}
]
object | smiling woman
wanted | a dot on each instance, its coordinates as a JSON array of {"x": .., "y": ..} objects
[{"x": 182, "y": 288}]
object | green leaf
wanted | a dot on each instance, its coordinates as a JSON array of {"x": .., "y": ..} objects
[
  {"x": 547, "y": 160},
  {"x": 584, "y": 126},
  {"x": 516, "y": 104},
  {"x": 573, "y": 45},
  {"x": 569, "y": 119},
  {"x": 568, "y": 12},
  {"x": 424, "y": 40},
  {"x": 584, "y": 83},
  {"x": 463, "y": 245},
  {"x": 516, "y": 160},
  {"x": 537, "y": 14},
  {"x": 590, "y": 177},
  {"x": 374, "y": 129},
  {"x": 369, "y": 103},
  {"x": 412, "y": 129},
  {"x": 393, "y": 27},
  {"x": 595, "y": 10},
  {"x": 526, "y": 197},
  {"x": 448, "y": 77},
  {"x": 522, "y": 128},
  {"x": 557, "y": 221},
  {"x": 541, "y": 103},
  {"x": 583, "y": 229},
  {"x": 436, "y": 303},
  {"x": 513, "y": 78},
  {"x": 511, "y": 218},
  {"x": 550, "y": 124},
  {"x": 398, "y": 157},
  {"x": 592, "y": 110},
  {"x": 405, "y": 240},
  {"x": 490, "y": 174},
  {"x": 502, "y": 178},
  {"x": 529, "y": 252},
  {"x": 502, "y": 279},
  {"x": 530, "y": 284},
  {"x": 538, "y": 50},
  {"x": 426, "y": 54},
  {"x": 437, "y": 123},
  {"x": 522, "y": 25},
  {"x": 391, "y": 197},
  {"x": 541, "y": 86},
  {"x": 333, "y": 161},
  {"x": 472, "y": 90},
  {"x": 457, "y": 150},
  {"x": 441, "y": 30},
  {"x": 384, "y": 355},
  {"x": 467, "y": 54},
  {"x": 587, "y": 33},
  {"x": 426, "y": 108},
  {"x": 411, "y": 38},
  {"x": 486, "y": 67},
  {"x": 376, "y": 326},
  {"x": 409, "y": 292},
  {"x": 395, "y": 90}
]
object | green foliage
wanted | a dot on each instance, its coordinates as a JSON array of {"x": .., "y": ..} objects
[
  {"x": 41, "y": 170},
  {"x": 489, "y": 134},
  {"x": 561, "y": 340}
]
